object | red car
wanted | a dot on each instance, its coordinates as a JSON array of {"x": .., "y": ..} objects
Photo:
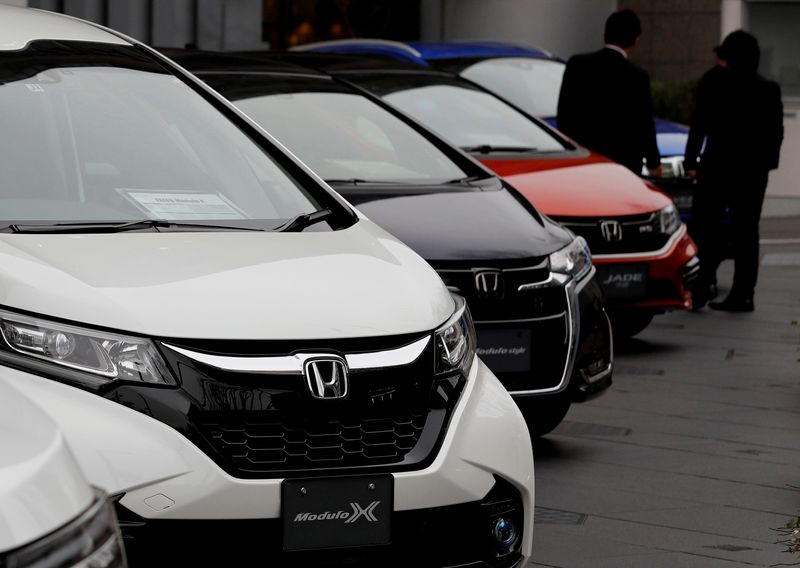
[{"x": 644, "y": 256}]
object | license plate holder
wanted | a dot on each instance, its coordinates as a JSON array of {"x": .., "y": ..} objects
[
  {"x": 506, "y": 350},
  {"x": 337, "y": 512},
  {"x": 623, "y": 280}
]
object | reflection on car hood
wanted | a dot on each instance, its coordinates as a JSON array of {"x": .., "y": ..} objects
[
  {"x": 468, "y": 226},
  {"x": 354, "y": 282},
  {"x": 600, "y": 189}
]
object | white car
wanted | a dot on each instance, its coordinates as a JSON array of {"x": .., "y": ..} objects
[
  {"x": 49, "y": 515},
  {"x": 251, "y": 368}
]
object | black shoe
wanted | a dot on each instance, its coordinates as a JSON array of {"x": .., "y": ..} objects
[
  {"x": 733, "y": 305},
  {"x": 701, "y": 295}
]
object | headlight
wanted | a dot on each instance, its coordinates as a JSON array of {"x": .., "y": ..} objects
[
  {"x": 88, "y": 357},
  {"x": 90, "y": 541},
  {"x": 668, "y": 220},
  {"x": 573, "y": 260},
  {"x": 455, "y": 341}
]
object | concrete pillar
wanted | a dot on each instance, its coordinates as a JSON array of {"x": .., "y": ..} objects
[
  {"x": 15, "y": 2},
  {"x": 432, "y": 20},
  {"x": 733, "y": 16}
]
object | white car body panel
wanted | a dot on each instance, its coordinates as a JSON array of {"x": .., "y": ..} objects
[
  {"x": 41, "y": 486},
  {"x": 226, "y": 285},
  {"x": 350, "y": 283},
  {"x": 156, "y": 461}
]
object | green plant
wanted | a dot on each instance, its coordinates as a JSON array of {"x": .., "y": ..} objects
[
  {"x": 790, "y": 538},
  {"x": 674, "y": 100}
]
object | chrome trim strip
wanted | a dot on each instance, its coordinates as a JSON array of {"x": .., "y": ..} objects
[
  {"x": 525, "y": 320},
  {"x": 293, "y": 364},
  {"x": 585, "y": 280},
  {"x": 646, "y": 254},
  {"x": 553, "y": 279},
  {"x": 597, "y": 377},
  {"x": 574, "y": 320}
]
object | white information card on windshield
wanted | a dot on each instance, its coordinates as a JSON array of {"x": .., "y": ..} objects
[{"x": 182, "y": 205}]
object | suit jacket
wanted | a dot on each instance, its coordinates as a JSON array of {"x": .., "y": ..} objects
[
  {"x": 740, "y": 119},
  {"x": 605, "y": 105}
]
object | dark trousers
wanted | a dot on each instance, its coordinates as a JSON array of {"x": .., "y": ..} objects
[{"x": 720, "y": 235}]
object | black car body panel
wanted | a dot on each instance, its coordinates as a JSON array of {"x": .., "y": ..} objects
[{"x": 465, "y": 228}]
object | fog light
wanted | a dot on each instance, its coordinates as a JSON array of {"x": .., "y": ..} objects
[{"x": 504, "y": 532}]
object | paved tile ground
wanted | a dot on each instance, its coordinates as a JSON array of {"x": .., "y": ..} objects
[{"x": 690, "y": 458}]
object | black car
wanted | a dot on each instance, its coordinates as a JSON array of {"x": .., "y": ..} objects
[{"x": 529, "y": 282}]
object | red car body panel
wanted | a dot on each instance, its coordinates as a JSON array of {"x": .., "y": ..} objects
[
  {"x": 594, "y": 187},
  {"x": 580, "y": 187}
]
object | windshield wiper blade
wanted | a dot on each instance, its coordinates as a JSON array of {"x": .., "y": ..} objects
[
  {"x": 359, "y": 181},
  {"x": 305, "y": 220},
  {"x": 489, "y": 149},
  {"x": 103, "y": 227}
]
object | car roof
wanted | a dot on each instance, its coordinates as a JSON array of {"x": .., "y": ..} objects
[
  {"x": 20, "y": 26},
  {"x": 339, "y": 63},
  {"x": 420, "y": 52},
  {"x": 199, "y": 61}
]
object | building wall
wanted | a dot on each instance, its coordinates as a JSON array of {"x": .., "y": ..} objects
[
  {"x": 207, "y": 24},
  {"x": 564, "y": 27},
  {"x": 678, "y": 37}
]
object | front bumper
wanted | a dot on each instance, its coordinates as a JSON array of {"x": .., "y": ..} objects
[
  {"x": 158, "y": 474},
  {"x": 670, "y": 274}
]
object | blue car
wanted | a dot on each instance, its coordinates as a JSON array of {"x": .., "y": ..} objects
[{"x": 528, "y": 77}]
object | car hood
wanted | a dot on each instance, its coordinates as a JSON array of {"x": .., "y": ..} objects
[
  {"x": 593, "y": 188},
  {"x": 461, "y": 225},
  {"x": 354, "y": 282},
  {"x": 41, "y": 487}
]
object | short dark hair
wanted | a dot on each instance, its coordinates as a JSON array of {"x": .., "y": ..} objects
[
  {"x": 741, "y": 50},
  {"x": 622, "y": 28}
]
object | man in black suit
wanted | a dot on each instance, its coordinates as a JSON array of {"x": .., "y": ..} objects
[
  {"x": 739, "y": 116},
  {"x": 605, "y": 101}
]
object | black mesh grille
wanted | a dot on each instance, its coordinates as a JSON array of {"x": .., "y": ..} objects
[
  {"x": 290, "y": 443},
  {"x": 639, "y": 233}
]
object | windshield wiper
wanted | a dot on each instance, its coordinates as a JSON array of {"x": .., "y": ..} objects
[
  {"x": 357, "y": 181},
  {"x": 156, "y": 224},
  {"x": 305, "y": 220},
  {"x": 489, "y": 149}
]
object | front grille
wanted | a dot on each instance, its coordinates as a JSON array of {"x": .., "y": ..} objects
[
  {"x": 269, "y": 424},
  {"x": 507, "y": 302},
  {"x": 257, "y": 445},
  {"x": 535, "y": 318},
  {"x": 638, "y": 233}
]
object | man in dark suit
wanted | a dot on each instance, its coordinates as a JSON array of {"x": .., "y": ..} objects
[
  {"x": 605, "y": 103},
  {"x": 739, "y": 116}
]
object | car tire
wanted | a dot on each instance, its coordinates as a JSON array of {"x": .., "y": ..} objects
[
  {"x": 543, "y": 415},
  {"x": 629, "y": 323}
]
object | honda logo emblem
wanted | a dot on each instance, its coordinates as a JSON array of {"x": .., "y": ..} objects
[
  {"x": 611, "y": 231},
  {"x": 489, "y": 283},
  {"x": 326, "y": 377}
]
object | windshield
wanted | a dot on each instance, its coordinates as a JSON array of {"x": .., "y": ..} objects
[
  {"x": 344, "y": 136},
  {"x": 531, "y": 84},
  {"x": 470, "y": 118},
  {"x": 92, "y": 132}
]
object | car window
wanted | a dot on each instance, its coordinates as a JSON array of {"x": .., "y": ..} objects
[
  {"x": 97, "y": 132},
  {"x": 470, "y": 118},
  {"x": 347, "y": 136},
  {"x": 531, "y": 84}
]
